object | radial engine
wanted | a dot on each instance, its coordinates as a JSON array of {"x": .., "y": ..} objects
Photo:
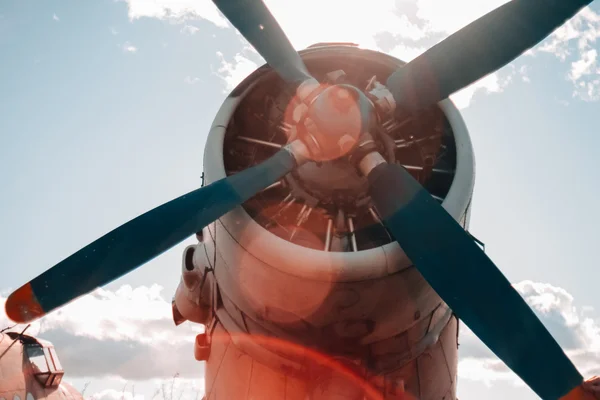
[{"x": 303, "y": 291}]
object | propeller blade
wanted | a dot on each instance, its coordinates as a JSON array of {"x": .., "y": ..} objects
[
  {"x": 256, "y": 23},
  {"x": 477, "y": 50},
  {"x": 469, "y": 282},
  {"x": 141, "y": 239}
]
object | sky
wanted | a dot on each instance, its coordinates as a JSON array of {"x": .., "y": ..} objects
[{"x": 104, "y": 110}]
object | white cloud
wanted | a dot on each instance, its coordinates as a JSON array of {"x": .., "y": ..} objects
[
  {"x": 486, "y": 371},
  {"x": 578, "y": 334},
  {"x": 128, "y": 333},
  {"x": 128, "y": 48},
  {"x": 112, "y": 394},
  {"x": 450, "y": 16},
  {"x": 55, "y": 17},
  {"x": 113, "y": 31},
  {"x": 523, "y": 72},
  {"x": 189, "y": 29},
  {"x": 169, "y": 388},
  {"x": 234, "y": 72},
  {"x": 488, "y": 84},
  {"x": 584, "y": 66},
  {"x": 411, "y": 20},
  {"x": 575, "y": 42},
  {"x": 175, "y": 10},
  {"x": 191, "y": 80},
  {"x": 402, "y": 28}
]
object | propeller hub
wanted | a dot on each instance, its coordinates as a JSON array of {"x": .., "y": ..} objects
[
  {"x": 331, "y": 123},
  {"x": 334, "y": 121}
]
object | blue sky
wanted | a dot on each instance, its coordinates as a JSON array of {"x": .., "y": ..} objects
[{"x": 104, "y": 110}]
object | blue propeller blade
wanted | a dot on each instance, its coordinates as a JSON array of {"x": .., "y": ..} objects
[
  {"x": 478, "y": 49},
  {"x": 141, "y": 239},
  {"x": 469, "y": 282}
]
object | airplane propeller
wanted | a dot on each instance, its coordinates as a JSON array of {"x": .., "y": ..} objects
[
  {"x": 457, "y": 269},
  {"x": 138, "y": 241}
]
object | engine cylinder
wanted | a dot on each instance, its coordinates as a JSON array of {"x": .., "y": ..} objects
[{"x": 193, "y": 297}]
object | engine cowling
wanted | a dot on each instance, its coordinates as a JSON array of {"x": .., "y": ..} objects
[{"x": 307, "y": 261}]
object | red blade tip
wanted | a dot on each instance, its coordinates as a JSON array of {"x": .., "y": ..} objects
[{"x": 22, "y": 306}]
